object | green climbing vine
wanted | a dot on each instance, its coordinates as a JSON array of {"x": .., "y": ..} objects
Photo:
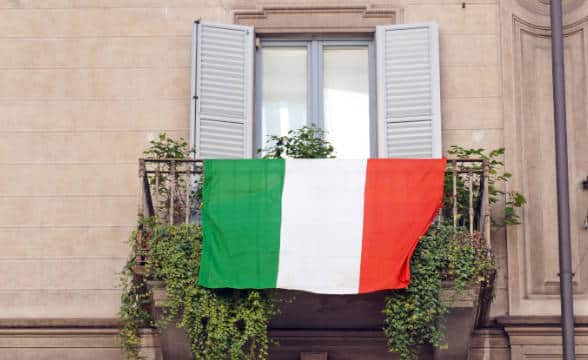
[
  {"x": 414, "y": 316},
  {"x": 135, "y": 299},
  {"x": 447, "y": 258},
  {"x": 220, "y": 324}
]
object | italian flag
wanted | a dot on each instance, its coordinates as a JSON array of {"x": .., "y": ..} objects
[{"x": 328, "y": 226}]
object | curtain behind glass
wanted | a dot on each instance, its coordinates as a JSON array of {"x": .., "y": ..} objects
[
  {"x": 284, "y": 89},
  {"x": 346, "y": 100}
]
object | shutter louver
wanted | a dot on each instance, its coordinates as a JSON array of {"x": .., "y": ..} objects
[
  {"x": 409, "y": 110},
  {"x": 223, "y": 90}
]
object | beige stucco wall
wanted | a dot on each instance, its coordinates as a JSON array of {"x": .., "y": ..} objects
[{"x": 84, "y": 84}]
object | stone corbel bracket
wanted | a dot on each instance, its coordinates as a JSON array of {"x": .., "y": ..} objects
[{"x": 317, "y": 19}]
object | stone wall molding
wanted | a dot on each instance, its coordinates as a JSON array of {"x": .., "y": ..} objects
[
  {"x": 541, "y": 7},
  {"x": 69, "y": 338},
  {"x": 528, "y": 121},
  {"x": 317, "y": 19}
]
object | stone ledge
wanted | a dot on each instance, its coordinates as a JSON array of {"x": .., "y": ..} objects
[
  {"x": 538, "y": 321},
  {"x": 489, "y": 339},
  {"x": 69, "y": 339},
  {"x": 59, "y": 323},
  {"x": 543, "y": 341},
  {"x": 542, "y": 335},
  {"x": 489, "y": 343}
]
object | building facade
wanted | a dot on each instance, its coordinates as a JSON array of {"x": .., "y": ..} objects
[{"x": 85, "y": 84}]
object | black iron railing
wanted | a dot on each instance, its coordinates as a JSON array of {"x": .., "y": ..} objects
[{"x": 170, "y": 189}]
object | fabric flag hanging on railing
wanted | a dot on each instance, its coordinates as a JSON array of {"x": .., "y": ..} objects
[{"x": 328, "y": 226}]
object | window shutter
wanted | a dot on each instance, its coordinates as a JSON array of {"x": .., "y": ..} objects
[
  {"x": 409, "y": 109},
  {"x": 222, "y": 90}
]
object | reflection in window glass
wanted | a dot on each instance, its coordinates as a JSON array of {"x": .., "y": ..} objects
[
  {"x": 346, "y": 100},
  {"x": 284, "y": 91}
]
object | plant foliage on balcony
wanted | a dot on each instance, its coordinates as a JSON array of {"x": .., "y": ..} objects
[
  {"x": 414, "y": 316},
  {"x": 220, "y": 324},
  {"x": 308, "y": 142},
  {"x": 233, "y": 324}
]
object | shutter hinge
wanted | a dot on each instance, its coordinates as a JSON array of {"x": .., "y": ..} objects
[
  {"x": 257, "y": 42},
  {"x": 195, "y": 97}
]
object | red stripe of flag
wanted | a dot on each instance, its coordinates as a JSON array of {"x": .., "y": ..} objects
[{"x": 402, "y": 197}]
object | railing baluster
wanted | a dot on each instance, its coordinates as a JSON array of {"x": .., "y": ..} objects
[
  {"x": 141, "y": 210},
  {"x": 188, "y": 189},
  {"x": 140, "y": 214},
  {"x": 170, "y": 173},
  {"x": 454, "y": 194},
  {"x": 156, "y": 204},
  {"x": 172, "y": 191},
  {"x": 471, "y": 202},
  {"x": 148, "y": 209},
  {"x": 486, "y": 204}
]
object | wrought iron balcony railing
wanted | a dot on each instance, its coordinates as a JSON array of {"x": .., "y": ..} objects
[{"x": 170, "y": 189}]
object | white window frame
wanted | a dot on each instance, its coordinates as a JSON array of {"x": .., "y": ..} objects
[
  {"x": 315, "y": 111},
  {"x": 388, "y": 138}
]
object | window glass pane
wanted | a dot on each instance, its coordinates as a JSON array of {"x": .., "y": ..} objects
[
  {"x": 346, "y": 100},
  {"x": 284, "y": 90}
]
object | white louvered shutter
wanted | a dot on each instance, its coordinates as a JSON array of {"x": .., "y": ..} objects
[
  {"x": 222, "y": 111},
  {"x": 409, "y": 110}
]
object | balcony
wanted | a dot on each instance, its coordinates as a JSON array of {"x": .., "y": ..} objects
[{"x": 170, "y": 190}]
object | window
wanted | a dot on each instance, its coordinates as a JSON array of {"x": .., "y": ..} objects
[
  {"x": 375, "y": 98},
  {"x": 324, "y": 82}
]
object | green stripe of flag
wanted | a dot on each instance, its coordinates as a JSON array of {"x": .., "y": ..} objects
[{"x": 241, "y": 218}]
